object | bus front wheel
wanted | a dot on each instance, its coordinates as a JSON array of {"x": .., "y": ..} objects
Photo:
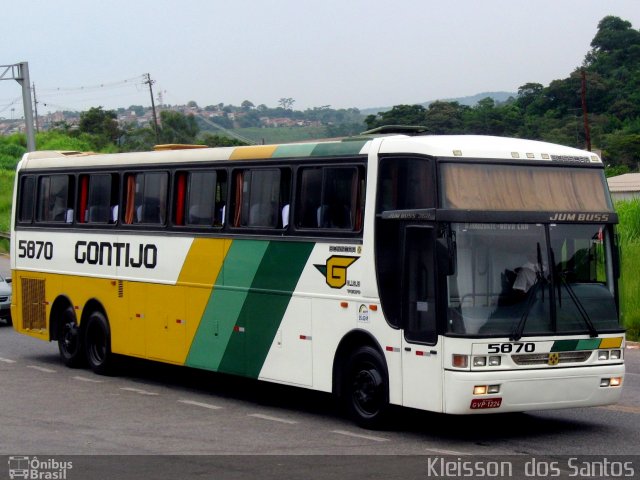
[
  {"x": 69, "y": 343},
  {"x": 366, "y": 388},
  {"x": 97, "y": 343}
]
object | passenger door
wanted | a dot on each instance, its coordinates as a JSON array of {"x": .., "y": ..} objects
[{"x": 421, "y": 353}]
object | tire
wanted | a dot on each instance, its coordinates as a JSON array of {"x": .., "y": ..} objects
[
  {"x": 365, "y": 390},
  {"x": 97, "y": 344},
  {"x": 69, "y": 340}
]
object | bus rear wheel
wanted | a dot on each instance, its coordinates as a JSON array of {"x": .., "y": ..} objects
[
  {"x": 69, "y": 343},
  {"x": 97, "y": 344},
  {"x": 366, "y": 388}
]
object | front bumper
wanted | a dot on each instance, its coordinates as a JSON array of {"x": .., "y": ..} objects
[{"x": 524, "y": 390}]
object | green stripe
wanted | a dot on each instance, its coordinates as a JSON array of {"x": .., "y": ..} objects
[
  {"x": 590, "y": 344},
  {"x": 574, "y": 345},
  {"x": 225, "y": 303},
  {"x": 564, "y": 345},
  {"x": 338, "y": 148},
  {"x": 247, "y": 304},
  {"x": 264, "y": 307},
  {"x": 299, "y": 150}
]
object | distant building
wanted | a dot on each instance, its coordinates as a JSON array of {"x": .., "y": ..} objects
[{"x": 624, "y": 187}]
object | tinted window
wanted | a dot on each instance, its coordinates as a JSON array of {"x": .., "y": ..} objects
[
  {"x": 27, "y": 194},
  {"x": 261, "y": 198},
  {"x": 330, "y": 197},
  {"x": 54, "y": 202},
  {"x": 146, "y": 198},
  {"x": 206, "y": 193}
]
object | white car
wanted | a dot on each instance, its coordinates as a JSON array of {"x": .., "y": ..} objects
[{"x": 5, "y": 299}]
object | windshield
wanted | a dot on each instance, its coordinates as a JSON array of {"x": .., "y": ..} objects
[{"x": 523, "y": 279}]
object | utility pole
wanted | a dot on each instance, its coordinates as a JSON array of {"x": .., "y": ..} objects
[
  {"x": 35, "y": 107},
  {"x": 583, "y": 96},
  {"x": 20, "y": 73},
  {"x": 153, "y": 106}
]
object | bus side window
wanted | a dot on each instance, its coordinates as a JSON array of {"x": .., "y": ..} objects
[
  {"x": 330, "y": 198},
  {"x": 200, "y": 200},
  {"x": 146, "y": 198},
  {"x": 27, "y": 195},
  {"x": 101, "y": 201},
  {"x": 260, "y": 197},
  {"x": 55, "y": 199}
]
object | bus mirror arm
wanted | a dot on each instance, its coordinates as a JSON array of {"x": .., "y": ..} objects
[{"x": 446, "y": 254}]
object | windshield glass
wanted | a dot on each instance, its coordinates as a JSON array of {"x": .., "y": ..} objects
[{"x": 511, "y": 281}]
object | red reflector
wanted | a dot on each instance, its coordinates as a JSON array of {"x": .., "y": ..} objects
[
  {"x": 373, "y": 308},
  {"x": 389, "y": 349},
  {"x": 419, "y": 353},
  {"x": 344, "y": 304},
  {"x": 478, "y": 403}
]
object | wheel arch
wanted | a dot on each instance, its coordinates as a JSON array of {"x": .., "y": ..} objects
[
  {"x": 92, "y": 305},
  {"x": 350, "y": 342},
  {"x": 60, "y": 304}
]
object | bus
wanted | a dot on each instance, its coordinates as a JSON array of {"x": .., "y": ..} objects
[{"x": 456, "y": 274}]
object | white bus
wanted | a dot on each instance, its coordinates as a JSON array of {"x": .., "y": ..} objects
[{"x": 456, "y": 274}]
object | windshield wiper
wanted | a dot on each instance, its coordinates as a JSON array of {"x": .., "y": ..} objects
[
  {"x": 583, "y": 312},
  {"x": 562, "y": 275},
  {"x": 517, "y": 332}
]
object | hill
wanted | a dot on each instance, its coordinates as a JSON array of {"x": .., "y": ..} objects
[{"x": 470, "y": 101}]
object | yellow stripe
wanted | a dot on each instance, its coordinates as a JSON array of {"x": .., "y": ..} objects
[
  {"x": 250, "y": 153},
  {"x": 615, "y": 342},
  {"x": 203, "y": 262}
]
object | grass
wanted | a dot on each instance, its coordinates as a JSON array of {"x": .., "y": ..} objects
[{"x": 629, "y": 235}]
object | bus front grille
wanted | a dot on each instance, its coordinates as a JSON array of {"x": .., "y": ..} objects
[
  {"x": 543, "y": 358},
  {"x": 34, "y": 316}
]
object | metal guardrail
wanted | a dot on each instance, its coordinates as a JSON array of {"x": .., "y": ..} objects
[{"x": 5, "y": 235}]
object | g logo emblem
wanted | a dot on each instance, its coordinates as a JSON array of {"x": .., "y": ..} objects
[
  {"x": 554, "y": 359},
  {"x": 335, "y": 270}
]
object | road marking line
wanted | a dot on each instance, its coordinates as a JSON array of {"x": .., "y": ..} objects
[
  {"x": 138, "y": 390},
  {"x": 446, "y": 452},
  {"x": 273, "y": 419},
  {"x": 357, "y": 435},
  {"x": 622, "y": 408},
  {"x": 85, "y": 379},
  {"x": 200, "y": 404},
  {"x": 6, "y": 360},
  {"x": 41, "y": 369}
]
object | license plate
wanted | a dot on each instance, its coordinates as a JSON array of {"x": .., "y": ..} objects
[{"x": 478, "y": 403}]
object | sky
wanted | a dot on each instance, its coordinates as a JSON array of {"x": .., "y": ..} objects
[{"x": 342, "y": 53}]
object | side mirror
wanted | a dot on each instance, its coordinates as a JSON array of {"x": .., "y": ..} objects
[{"x": 8, "y": 280}]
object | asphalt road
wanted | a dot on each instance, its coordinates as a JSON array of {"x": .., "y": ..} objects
[{"x": 152, "y": 409}]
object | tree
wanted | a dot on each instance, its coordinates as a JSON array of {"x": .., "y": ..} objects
[
  {"x": 178, "y": 128},
  {"x": 247, "y": 105},
  {"x": 286, "y": 103},
  {"x": 398, "y": 115},
  {"x": 444, "y": 118},
  {"x": 102, "y": 124}
]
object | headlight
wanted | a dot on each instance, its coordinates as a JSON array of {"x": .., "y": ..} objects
[
  {"x": 603, "y": 354},
  {"x": 479, "y": 361}
]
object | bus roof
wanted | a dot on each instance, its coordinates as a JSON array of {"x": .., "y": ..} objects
[{"x": 455, "y": 146}]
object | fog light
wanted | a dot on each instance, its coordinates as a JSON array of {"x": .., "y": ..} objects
[
  {"x": 493, "y": 389},
  {"x": 460, "y": 361},
  {"x": 479, "y": 361},
  {"x": 615, "y": 381},
  {"x": 495, "y": 361},
  {"x": 480, "y": 390},
  {"x": 603, "y": 354},
  {"x": 604, "y": 382},
  {"x": 616, "y": 354}
]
